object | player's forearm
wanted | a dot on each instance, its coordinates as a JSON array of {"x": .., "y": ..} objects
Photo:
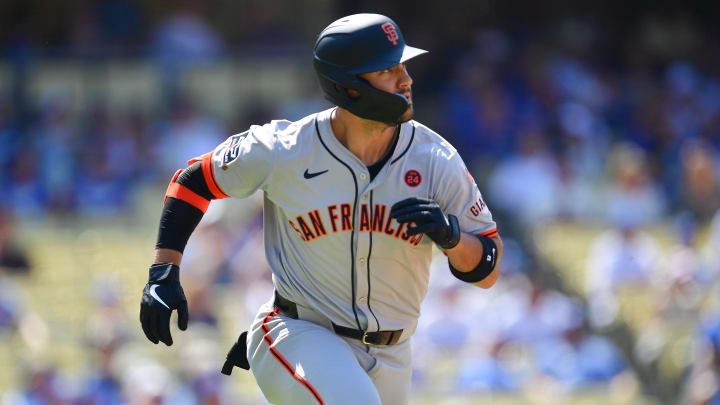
[{"x": 467, "y": 253}]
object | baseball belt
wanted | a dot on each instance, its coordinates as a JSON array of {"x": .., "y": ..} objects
[{"x": 379, "y": 338}]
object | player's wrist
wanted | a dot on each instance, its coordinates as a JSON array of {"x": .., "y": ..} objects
[{"x": 165, "y": 255}]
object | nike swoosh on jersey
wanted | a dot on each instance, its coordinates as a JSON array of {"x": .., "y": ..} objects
[
  {"x": 157, "y": 297},
  {"x": 309, "y": 175}
]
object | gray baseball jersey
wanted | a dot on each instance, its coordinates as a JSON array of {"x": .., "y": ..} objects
[{"x": 328, "y": 237}]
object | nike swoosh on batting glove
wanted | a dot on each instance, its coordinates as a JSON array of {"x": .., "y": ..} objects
[
  {"x": 161, "y": 295},
  {"x": 429, "y": 219}
]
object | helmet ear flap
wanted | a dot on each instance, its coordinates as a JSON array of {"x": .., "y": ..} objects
[
  {"x": 334, "y": 89},
  {"x": 370, "y": 103}
]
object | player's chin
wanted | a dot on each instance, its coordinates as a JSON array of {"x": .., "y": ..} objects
[{"x": 407, "y": 115}]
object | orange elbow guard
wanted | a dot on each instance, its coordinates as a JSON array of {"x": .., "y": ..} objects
[{"x": 180, "y": 192}]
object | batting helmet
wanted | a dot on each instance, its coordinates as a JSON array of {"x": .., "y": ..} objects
[{"x": 361, "y": 43}]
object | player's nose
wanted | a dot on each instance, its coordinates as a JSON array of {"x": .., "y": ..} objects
[{"x": 404, "y": 81}]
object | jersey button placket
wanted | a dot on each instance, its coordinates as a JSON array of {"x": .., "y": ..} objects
[{"x": 363, "y": 247}]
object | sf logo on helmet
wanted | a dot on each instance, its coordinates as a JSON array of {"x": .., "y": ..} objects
[{"x": 389, "y": 29}]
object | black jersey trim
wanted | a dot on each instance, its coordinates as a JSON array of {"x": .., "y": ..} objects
[
  {"x": 412, "y": 136},
  {"x": 368, "y": 263},
  {"x": 352, "y": 234}
]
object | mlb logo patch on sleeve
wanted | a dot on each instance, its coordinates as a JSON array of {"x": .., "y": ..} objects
[{"x": 233, "y": 149}]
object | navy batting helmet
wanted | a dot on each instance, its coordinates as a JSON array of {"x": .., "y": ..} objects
[{"x": 361, "y": 43}]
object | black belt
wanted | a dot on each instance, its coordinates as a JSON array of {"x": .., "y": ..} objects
[
  {"x": 286, "y": 306},
  {"x": 382, "y": 337}
]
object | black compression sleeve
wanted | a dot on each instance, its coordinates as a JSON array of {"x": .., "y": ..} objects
[
  {"x": 192, "y": 178},
  {"x": 177, "y": 223},
  {"x": 179, "y": 218}
]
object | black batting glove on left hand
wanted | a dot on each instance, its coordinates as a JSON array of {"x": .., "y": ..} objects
[
  {"x": 429, "y": 219},
  {"x": 162, "y": 294}
]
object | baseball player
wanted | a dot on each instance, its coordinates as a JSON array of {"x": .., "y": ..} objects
[{"x": 354, "y": 199}]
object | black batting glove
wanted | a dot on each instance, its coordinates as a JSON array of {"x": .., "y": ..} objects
[
  {"x": 161, "y": 295},
  {"x": 429, "y": 219}
]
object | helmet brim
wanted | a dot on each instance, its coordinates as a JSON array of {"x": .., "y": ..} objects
[
  {"x": 410, "y": 52},
  {"x": 375, "y": 65}
]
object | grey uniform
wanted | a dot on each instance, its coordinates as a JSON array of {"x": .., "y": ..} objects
[{"x": 329, "y": 239}]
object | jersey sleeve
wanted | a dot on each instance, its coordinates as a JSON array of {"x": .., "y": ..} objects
[
  {"x": 457, "y": 193},
  {"x": 244, "y": 162}
]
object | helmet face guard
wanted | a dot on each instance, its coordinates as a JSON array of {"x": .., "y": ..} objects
[{"x": 356, "y": 44}]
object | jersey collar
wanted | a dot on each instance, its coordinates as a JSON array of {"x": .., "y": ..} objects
[{"x": 405, "y": 138}]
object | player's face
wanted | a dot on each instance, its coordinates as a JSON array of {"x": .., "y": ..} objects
[{"x": 393, "y": 80}]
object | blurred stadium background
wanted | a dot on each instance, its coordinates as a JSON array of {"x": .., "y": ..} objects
[{"x": 593, "y": 131}]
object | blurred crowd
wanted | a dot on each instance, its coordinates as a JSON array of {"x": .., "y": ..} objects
[{"x": 572, "y": 118}]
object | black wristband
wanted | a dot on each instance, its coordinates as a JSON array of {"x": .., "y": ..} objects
[
  {"x": 177, "y": 223},
  {"x": 484, "y": 268}
]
